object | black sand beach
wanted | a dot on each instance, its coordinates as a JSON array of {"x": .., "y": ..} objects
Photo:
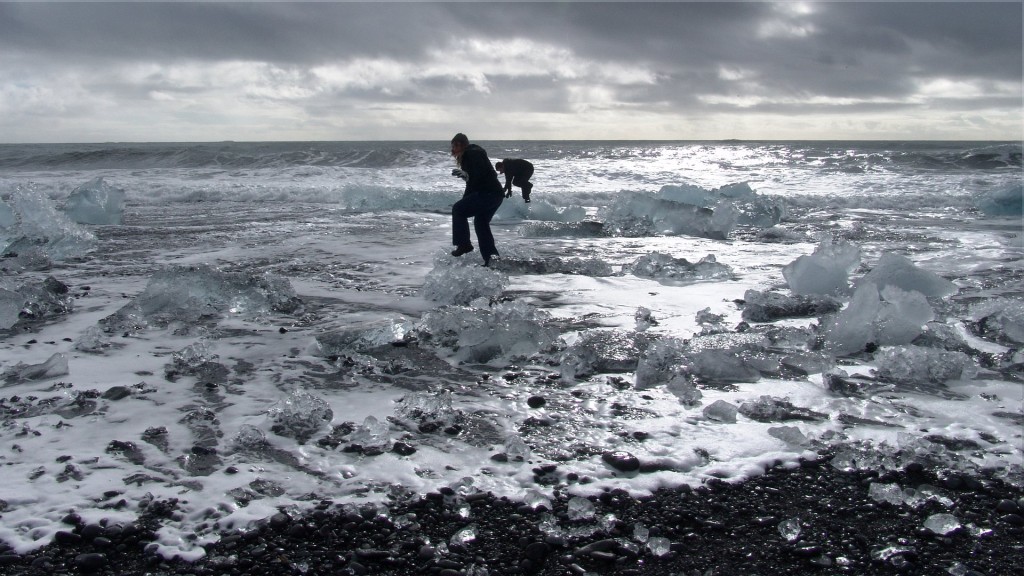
[{"x": 717, "y": 528}]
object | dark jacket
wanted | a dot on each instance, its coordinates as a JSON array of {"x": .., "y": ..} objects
[{"x": 482, "y": 177}]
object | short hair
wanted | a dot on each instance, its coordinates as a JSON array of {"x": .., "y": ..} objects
[
  {"x": 461, "y": 139},
  {"x": 499, "y": 165}
]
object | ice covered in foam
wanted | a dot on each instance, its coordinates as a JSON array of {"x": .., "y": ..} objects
[{"x": 890, "y": 317}]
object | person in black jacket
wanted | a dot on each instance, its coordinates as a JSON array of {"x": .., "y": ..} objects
[
  {"x": 481, "y": 200},
  {"x": 517, "y": 172}
]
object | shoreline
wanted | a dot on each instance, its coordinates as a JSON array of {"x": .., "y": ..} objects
[{"x": 717, "y": 528}]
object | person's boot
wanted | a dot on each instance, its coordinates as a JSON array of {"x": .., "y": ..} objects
[{"x": 463, "y": 249}]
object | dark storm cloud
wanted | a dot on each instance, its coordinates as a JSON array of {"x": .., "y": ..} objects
[{"x": 663, "y": 58}]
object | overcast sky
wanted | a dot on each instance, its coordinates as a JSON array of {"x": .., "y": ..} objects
[{"x": 92, "y": 72}]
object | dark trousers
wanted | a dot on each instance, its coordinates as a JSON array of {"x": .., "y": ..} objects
[
  {"x": 481, "y": 207},
  {"x": 523, "y": 181}
]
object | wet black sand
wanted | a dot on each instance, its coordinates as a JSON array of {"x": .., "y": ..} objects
[{"x": 716, "y": 529}]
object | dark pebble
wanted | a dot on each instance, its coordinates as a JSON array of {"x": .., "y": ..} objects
[
  {"x": 91, "y": 561},
  {"x": 622, "y": 461},
  {"x": 1007, "y": 506},
  {"x": 403, "y": 449},
  {"x": 536, "y": 401}
]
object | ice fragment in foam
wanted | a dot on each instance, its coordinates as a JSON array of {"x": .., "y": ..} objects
[
  {"x": 825, "y": 272},
  {"x": 895, "y": 270}
]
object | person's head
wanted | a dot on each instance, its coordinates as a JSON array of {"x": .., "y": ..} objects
[
  {"x": 459, "y": 143},
  {"x": 500, "y": 167}
]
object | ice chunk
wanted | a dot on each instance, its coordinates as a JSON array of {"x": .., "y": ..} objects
[
  {"x": 1000, "y": 318},
  {"x": 53, "y": 367},
  {"x": 191, "y": 294},
  {"x": 424, "y": 407},
  {"x": 640, "y": 532},
  {"x": 461, "y": 285},
  {"x": 10, "y": 307},
  {"x": 890, "y": 493},
  {"x": 40, "y": 225},
  {"x": 464, "y": 536},
  {"x": 659, "y": 546},
  {"x": 584, "y": 229},
  {"x": 721, "y": 411},
  {"x": 739, "y": 198},
  {"x": 895, "y": 270},
  {"x": 250, "y": 438},
  {"x": 644, "y": 319},
  {"x": 602, "y": 351},
  {"x": 371, "y": 434},
  {"x": 661, "y": 266},
  {"x": 516, "y": 448},
  {"x": 853, "y": 328},
  {"x": 662, "y": 361},
  {"x": 770, "y": 306},
  {"x": 684, "y": 389},
  {"x": 481, "y": 335},
  {"x": 824, "y": 272},
  {"x": 95, "y": 202},
  {"x": 635, "y": 215},
  {"x": 788, "y": 434},
  {"x": 300, "y": 415},
  {"x": 769, "y": 409},
  {"x": 709, "y": 322},
  {"x": 540, "y": 210},
  {"x": 721, "y": 366},
  {"x": 580, "y": 508},
  {"x": 942, "y": 524},
  {"x": 1005, "y": 201},
  {"x": 790, "y": 529},
  {"x": 363, "y": 337},
  {"x": 535, "y": 500},
  {"x": 913, "y": 364},
  {"x": 902, "y": 317}
]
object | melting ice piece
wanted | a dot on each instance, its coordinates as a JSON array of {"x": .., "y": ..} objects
[
  {"x": 40, "y": 224},
  {"x": 1002, "y": 318},
  {"x": 363, "y": 337},
  {"x": 788, "y": 434},
  {"x": 55, "y": 366},
  {"x": 250, "y": 438},
  {"x": 891, "y": 493},
  {"x": 942, "y": 524},
  {"x": 721, "y": 411},
  {"x": 640, "y": 532},
  {"x": 535, "y": 499},
  {"x": 660, "y": 266},
  {"x": 300, "y": 415},
  {"x": 580, "y": 508},
  {"x": 95, "y": 202},
  {"x": 683, "y": 389},
  {"x": 371, "y": 434},
  {"x": 463, "y": 536},
  {"x": 659, "y": 546},
  {"x": 10, "y": 306},
  {"x": 914, "y": 364},
  {"x": 516, "y": 448},
  {"x": 790, "y": 529},
  {"x": 825, "y": 272},
  {"x": 460, "y": 285},
  {"x": 895, "y": 270}
]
